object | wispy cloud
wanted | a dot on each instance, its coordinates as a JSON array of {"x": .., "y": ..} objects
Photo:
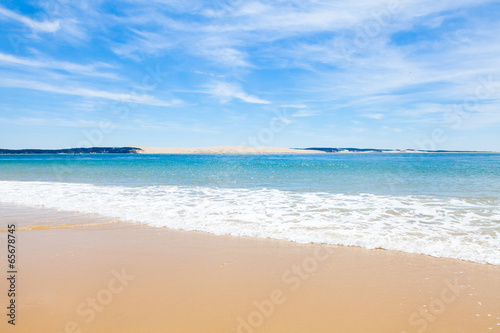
[
  {"x": 44, "y": 26},
  {"x": 373, "y": 116},
  {"x": 226, "y": 92},
  {"x": 85, "y": 92},
  {"x": 54, "y": 122},
  {"x": 372, "y": 63},
  {"x": 172, "y": 126},
  {"x": 144, "y": 43},
  {"x": 305, "y": 113},
  {"x": 95, "y": 70},
  {"x": 226, "y": 56}
]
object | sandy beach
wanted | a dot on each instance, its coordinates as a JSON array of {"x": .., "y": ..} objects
[
  {"x": 225, "y": 150},
  {"x": 86, "y": 273},
  {"x": 249, "y": 166}
]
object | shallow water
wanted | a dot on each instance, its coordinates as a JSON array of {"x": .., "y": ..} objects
[{"x": 444, "y": 205}]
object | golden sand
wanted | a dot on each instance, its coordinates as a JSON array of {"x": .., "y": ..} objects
[{"x": 122, "y": 277}]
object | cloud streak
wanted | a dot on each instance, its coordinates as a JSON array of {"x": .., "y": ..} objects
[
  {"x": 377, "y": 64},
  {"x": 226, "y": 92},
  {"x": 90, "y": 70},
  {"x": 88, "y": 93},
  {"x": 44, "y": 26}
]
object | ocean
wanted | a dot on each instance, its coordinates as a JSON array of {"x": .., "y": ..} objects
[{"x": 444, "y": 205}]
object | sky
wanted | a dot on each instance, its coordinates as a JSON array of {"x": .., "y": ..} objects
[{"x": 421, "y": 74}]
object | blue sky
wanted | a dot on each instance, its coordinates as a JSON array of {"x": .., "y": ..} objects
[{"x": 384, "y": 74}]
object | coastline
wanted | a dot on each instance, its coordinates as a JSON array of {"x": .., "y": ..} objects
[
  {"x": 224, "y": 150},
  {"x": 219, "y": 150},
  {"x": 190, "y": 281}
]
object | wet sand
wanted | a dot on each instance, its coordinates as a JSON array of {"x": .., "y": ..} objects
[{"x": 83, "y": 273}]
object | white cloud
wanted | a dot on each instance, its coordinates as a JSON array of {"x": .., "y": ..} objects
[
  {"x": 144, "y": 43},
  {"x": 224, "y": 55},
  {"x": 173, "y": 126},
  {"x": 90, "y": 70},
  {"x": 50, "y": 122},
  {"x": 45, "y": 26},
  {"x": 85, "y": 92},
  {"x": 305, "y": 113},
  {"x": 226, "y": 29},
  {"x": 373, "y": 116},
  {"x": 229, "y": 91},
  {"x": 411, "y": 82}
]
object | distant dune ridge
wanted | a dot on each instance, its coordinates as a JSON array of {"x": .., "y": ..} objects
[
  {"x": 225, "y": 150},
  {"x": 164, "y": 150},
  {"x": 92, "y": 150},
  {"x": 214, "y": 150}
]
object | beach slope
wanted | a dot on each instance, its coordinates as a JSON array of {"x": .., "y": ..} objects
[{"x": 85, "y": 273}]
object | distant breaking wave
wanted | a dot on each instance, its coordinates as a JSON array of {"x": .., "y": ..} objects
[{"x": 443, "y": 227}]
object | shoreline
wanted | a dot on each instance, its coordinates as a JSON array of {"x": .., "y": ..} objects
[
  {"x": 191, "y": 281},
  {"x": 487, "y": 257}
]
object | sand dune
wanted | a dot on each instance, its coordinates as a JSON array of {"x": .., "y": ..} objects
[{"x": 225, "y": 150}]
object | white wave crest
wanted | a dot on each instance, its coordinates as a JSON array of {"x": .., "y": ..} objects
[{"x": 443, "y": 227}]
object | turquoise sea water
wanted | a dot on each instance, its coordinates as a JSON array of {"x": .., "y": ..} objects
[{"x": 438, "y": 204}]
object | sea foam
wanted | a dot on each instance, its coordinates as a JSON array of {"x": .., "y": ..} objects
[{"x": 442, "y": 227}]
